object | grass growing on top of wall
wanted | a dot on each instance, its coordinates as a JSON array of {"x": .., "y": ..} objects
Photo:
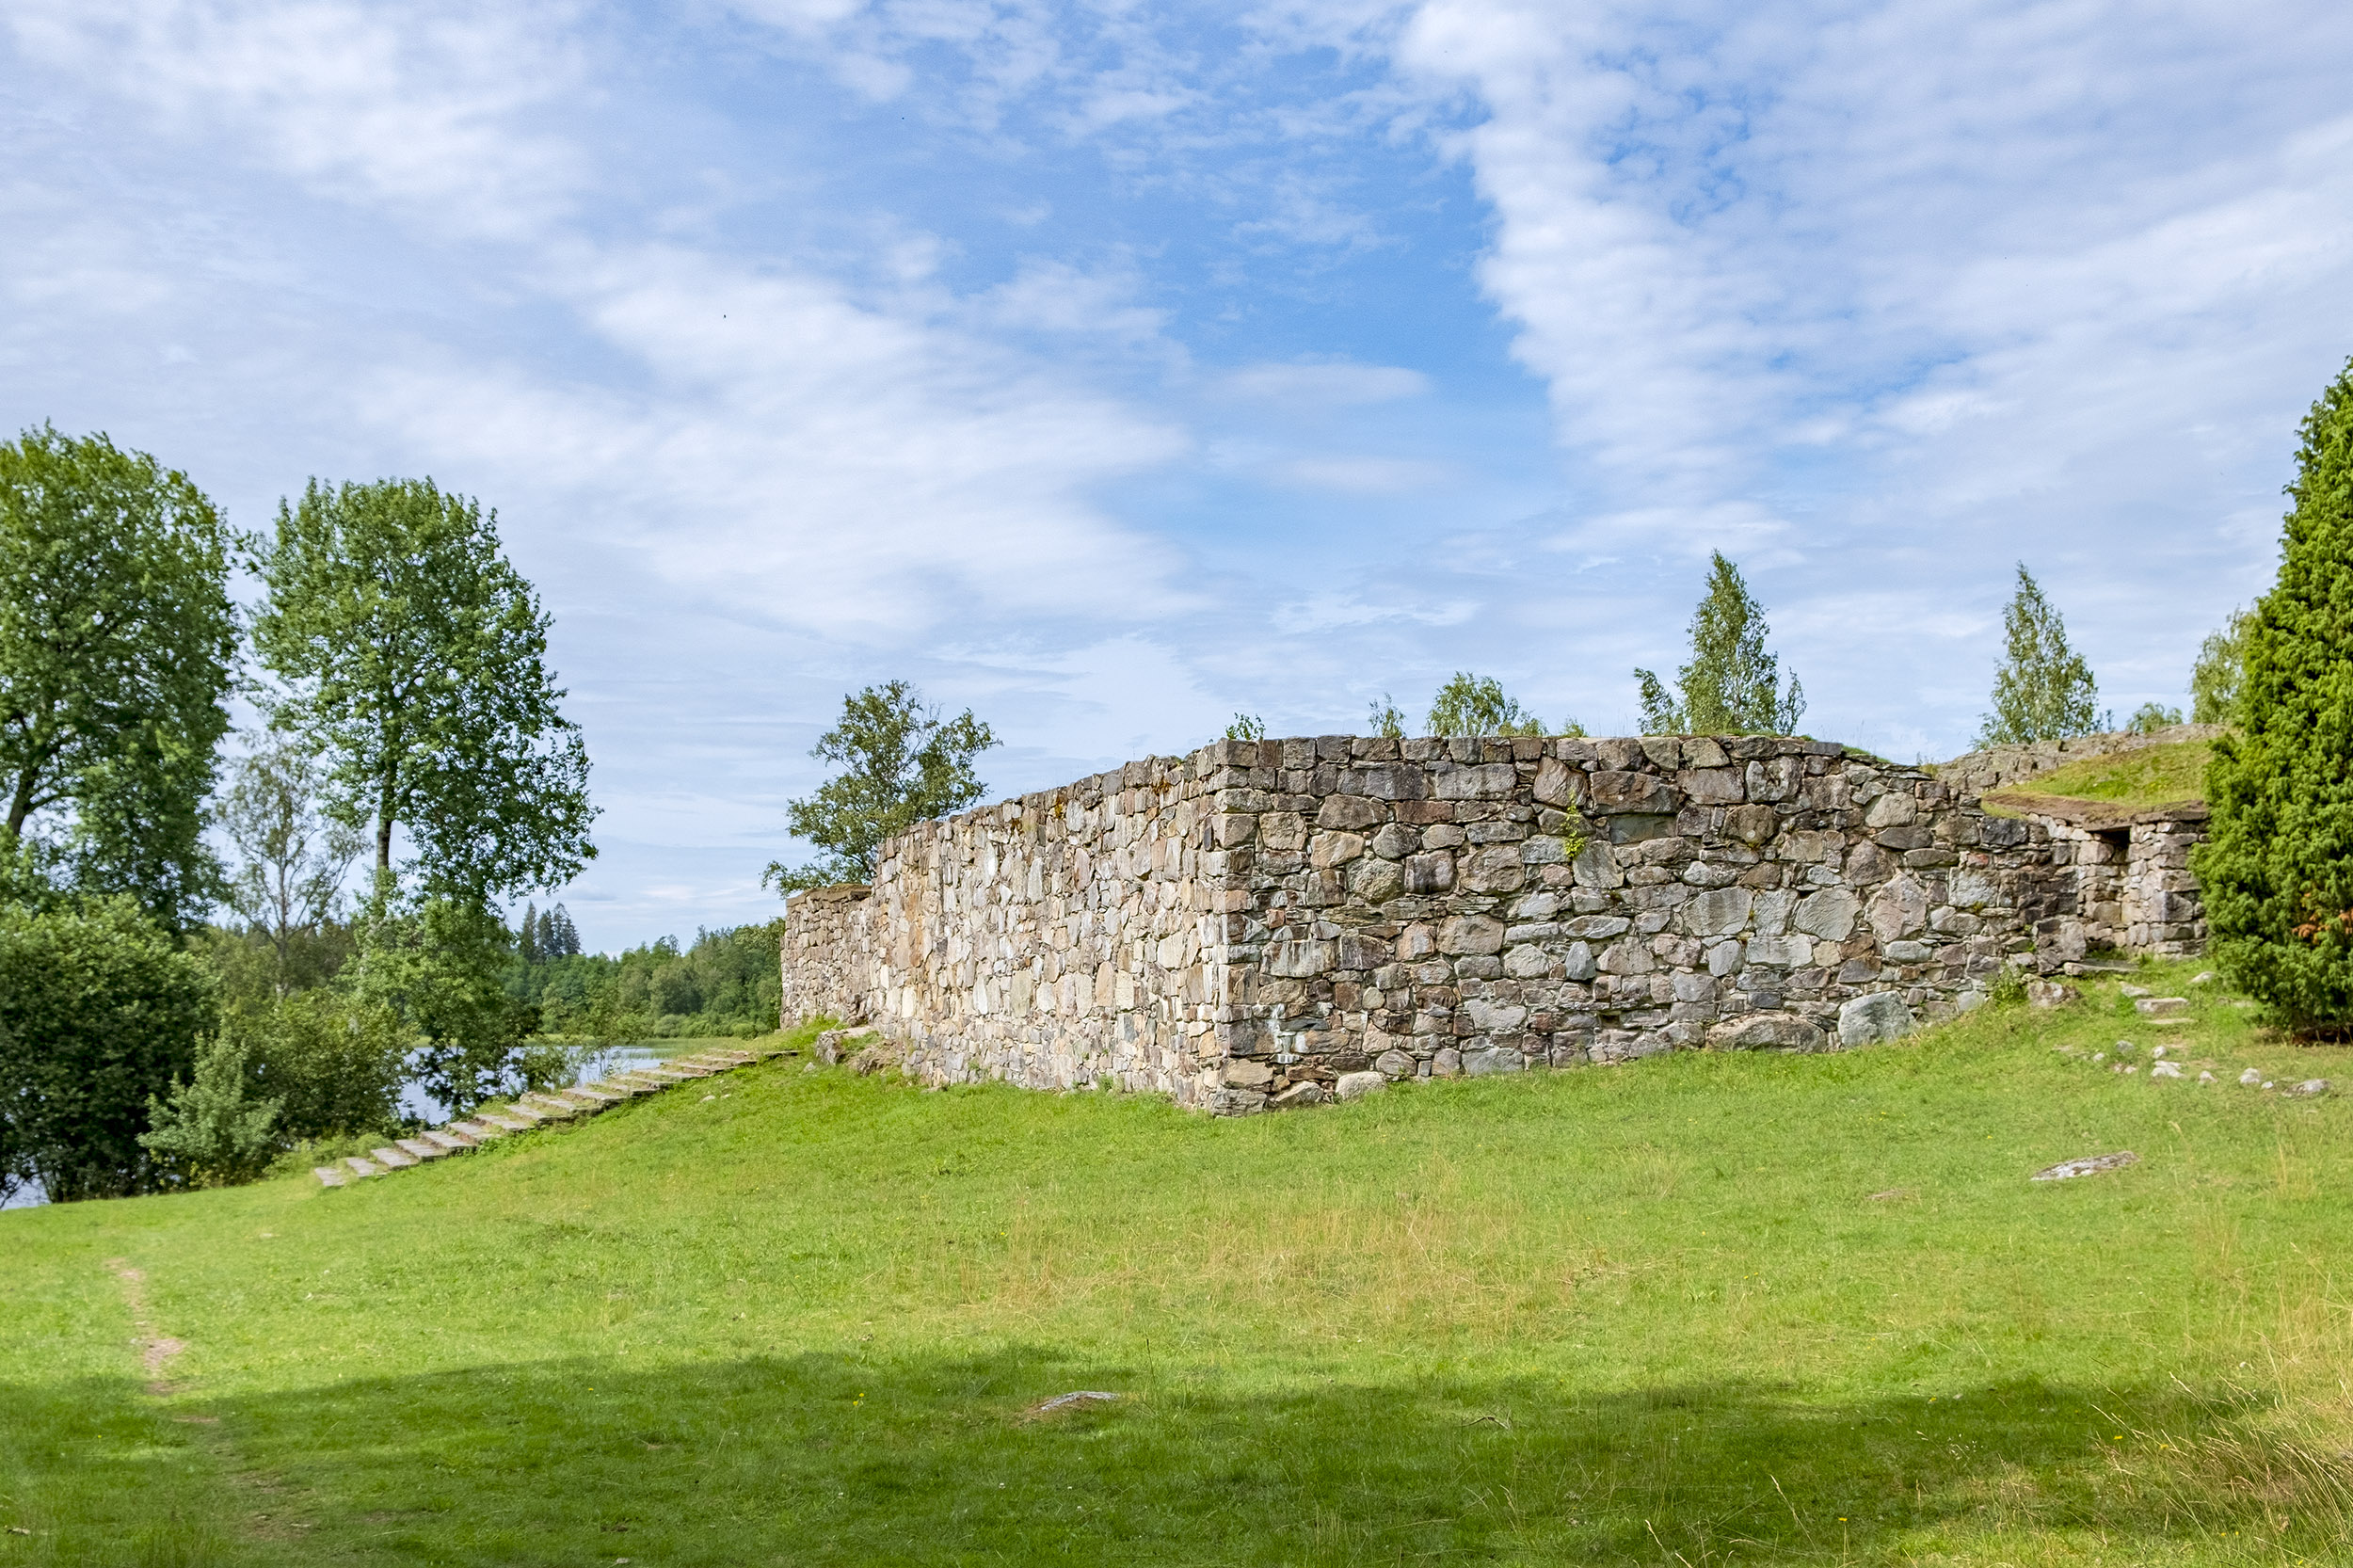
[
  {"x": 2154, "y": 775},
  {"x": 1702, "y": 1309}
]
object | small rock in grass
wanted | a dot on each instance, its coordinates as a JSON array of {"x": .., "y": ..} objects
[
  {"x": 2161, "y": 1007},
  {"x": 2250, "y": 1078},
  {"x": 1356, "y": 1085},
  {"x": 2050, "y": 993},
  {"x": 2204, "y": 977},
  {"x": 1072, "y": 1401},
  {"x": 2310, "y": 1086},
  {"x": 2156, "y": 1050},
  {"x": 2166, "y": 1069},
  {"x": 2136, "y": 990},
  {"x": 2099, "y": 1056},
  {"x": 2090, "y": 1165},
  {"x": 2205, "y": 1078}
]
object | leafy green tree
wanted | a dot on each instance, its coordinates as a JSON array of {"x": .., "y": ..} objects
[
  {"x": 214, "y": 1130},
  {"x": 902, "y": 764},
  {"x": 2216, "y": 678},
  {"x": 1475, "y": 705},
  {"x": 439, "y": 965},
  {"x": 100, "y": 1010},
  {"x": 1385, "y": 719},
  {"x": 292, "y": 860},
  {"x": 1246, "y": 727},
  {"x": 333, "y": 1062},
  {"x": 2043, "y": 691},
  {"x": 2150, "y": 717},
  {"x": 1731, "y": 685},
  {"x": 2277, "y": 873},
  {"x": 413, "y": 658},
  {"x": 117, "y": 643}
]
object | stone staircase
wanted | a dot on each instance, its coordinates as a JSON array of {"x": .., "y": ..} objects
[{"x": 531, "y": 1111}]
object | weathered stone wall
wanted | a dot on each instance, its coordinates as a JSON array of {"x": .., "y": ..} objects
[
  {"x": 2121, "y": 880},
  {"x": 1060, "y": 939},
  {"x": 1439, "y": 906},
  {"x": 1247, "y": 925}
]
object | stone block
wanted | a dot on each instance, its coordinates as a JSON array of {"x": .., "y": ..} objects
[
  {"x": 1527, "y": 961},
  {"x": 1327, "y": 850},
  {"x": 1713, "y": 786},
  {"x": 1393, "y": 1064},
  {"x": 1490, "y": 1060},
  {"x": 1497, "y": 869},
  {"x": 1470, "y": 935},
  {"x": 1868, "y": 1020},
  {"x": 1611, "y": 792},
  {"x": 1350, "y": 1086},
  {"x": 1768, "y": 1031},
  {"x": 1482, "y": 781},
  {"x": 1349, "y": 813},
  {"x": 1297, "y": 959},
  {"x": 1432, "y": 872},
  {"x": 1558, "y": 784},
  {"x": 1718, "y": 912}
]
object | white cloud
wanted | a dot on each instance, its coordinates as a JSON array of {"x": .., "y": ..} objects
[{"x": 430, "y": 107}]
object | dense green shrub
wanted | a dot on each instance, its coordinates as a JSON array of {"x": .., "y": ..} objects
[
  {"x": 212, "y": 1131},
  {"x": 2277, "y": 872},
  {"x": 100, "y": 1010},
  {"x": 314, "y": 1066}
]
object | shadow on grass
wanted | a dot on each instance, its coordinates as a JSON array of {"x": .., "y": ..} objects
[{"x": 822, "y": 1459}]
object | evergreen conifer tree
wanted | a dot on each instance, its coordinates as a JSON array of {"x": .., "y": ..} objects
[
  {"x": 2277, "y": 874},
  {"x": 1731, "y": 685},
  {"x": 2043, "y": 691}
]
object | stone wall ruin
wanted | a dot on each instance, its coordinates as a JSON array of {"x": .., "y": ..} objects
[{"x": 1249, "y": 926}]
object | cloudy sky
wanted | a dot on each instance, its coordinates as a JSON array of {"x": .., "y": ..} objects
[{"x": 1111, "y": 367}]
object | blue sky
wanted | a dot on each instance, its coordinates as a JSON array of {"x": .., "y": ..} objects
[{"x": 1110, "y": 368}]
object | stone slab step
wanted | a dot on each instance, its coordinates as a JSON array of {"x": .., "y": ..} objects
[
  {"x": 588, "y": 1098},
  {"x": 480, "y": 1131},
  {"x": 393, "y": 1159},
  {"x": 628, "y": 1084},
  {"x": 329, "y": 1175},
  {"x": 507, "y": 1121},
  {"x": 446, "y": 1140},
  {"x": 541, "y": 1106},
  {"x": 418, "y": 1147},
  {"x": 361, "y": 1167}
]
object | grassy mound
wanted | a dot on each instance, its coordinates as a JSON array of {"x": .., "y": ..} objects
[
  {"x": 1707, "y": 1309},
  {"x": 2132, "y": 780}
]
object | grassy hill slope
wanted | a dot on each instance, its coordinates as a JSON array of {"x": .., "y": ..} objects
[
  {"x": 2132, "y": 780},
  {"x": 1707, "y": 1309}
]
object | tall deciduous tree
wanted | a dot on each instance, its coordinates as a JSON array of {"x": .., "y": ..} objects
[
  {"x": 2277, "y": 874},
  {"x": 2043, "y": 691},
  {"x": 117, "y": 643},
  {"x": 292, "y": 862},
  {"x": 414, "y": 661},
  {"x": 1732, "y": 686},
  {"x": 901, "y": 762}
]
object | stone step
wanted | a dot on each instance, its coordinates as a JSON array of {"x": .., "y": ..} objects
[
  {"x": 393, "y": 1159},
  {"x": 506, "y": 1121},
  {"x": 361, "y": 1167},
  {"x": 628, "y": 1083},
  {"x": 446, "y": 1140},
  {"x": 522, "y": 1115},
  {"x": 589, "y": 1094},
  {"x": 480, "y": 1131},
  {"x": 541, "y": 1106},
  {"x": 418, "y": 1147},
  {"x": 329, "y": 1175}
]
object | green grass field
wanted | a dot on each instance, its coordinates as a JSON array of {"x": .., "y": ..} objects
[{"x": 1705, "y": 1309}]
